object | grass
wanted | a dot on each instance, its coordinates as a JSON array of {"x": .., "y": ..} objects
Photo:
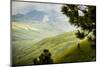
[
  {"x": 63, "y": 48},
  {"x": 82, "y": 54}
]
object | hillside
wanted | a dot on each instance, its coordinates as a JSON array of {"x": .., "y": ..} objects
[
  {"x": 36, "y": 31},
  {"x": 63, "y": 48}
]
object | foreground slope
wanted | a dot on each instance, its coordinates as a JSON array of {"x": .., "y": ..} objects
[{"x": 62, "y": 47}]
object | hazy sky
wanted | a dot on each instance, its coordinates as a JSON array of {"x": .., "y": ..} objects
[{"x": 53, "y": 12}]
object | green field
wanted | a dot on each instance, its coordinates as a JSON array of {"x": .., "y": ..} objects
[{"x": 63, "y": 48}]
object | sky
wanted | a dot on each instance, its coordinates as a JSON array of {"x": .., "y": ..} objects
[
  {"x": 24, "y": 7},
  {"x": 51, "y": 13},
  {"x": 50, "y": 9}
]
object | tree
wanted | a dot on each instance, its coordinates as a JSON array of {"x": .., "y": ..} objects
[
  {"x": 80, "y": 35},
  {"x": 45, "y": 57},
  {"x": 83, "y": 17},
  {"x": 35, "y": 61}
]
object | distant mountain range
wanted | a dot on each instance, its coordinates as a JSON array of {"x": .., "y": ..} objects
[
  {"x": 36, "y": 15},
  {"x": 29, "y": 17}
]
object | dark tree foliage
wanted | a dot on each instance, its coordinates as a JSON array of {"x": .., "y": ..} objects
[
  {"x": 80, "y": 35},
  {"x": 35, "y": 61},
  {"x": 44, "y": 58},
  {"x": 86, "y": 21}
]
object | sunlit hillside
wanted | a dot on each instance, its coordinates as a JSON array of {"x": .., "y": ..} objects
[{"x": 63, "y": 48}]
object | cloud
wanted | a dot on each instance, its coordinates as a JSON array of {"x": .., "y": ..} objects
[
  {"x": 53, "y": 12},
  {"x": 21, "y": 7},
  {"x": 80, "y": 13},
  {"x": 24, "y": 7},
  {"x": 45, "y": 19}
]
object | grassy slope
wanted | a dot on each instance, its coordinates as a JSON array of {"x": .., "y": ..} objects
[
  {"x": 63, "y": 48},
  {"x": 85, "y": 53}
]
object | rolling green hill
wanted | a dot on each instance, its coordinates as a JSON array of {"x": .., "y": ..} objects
[{"x": 63, "y": 48}]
